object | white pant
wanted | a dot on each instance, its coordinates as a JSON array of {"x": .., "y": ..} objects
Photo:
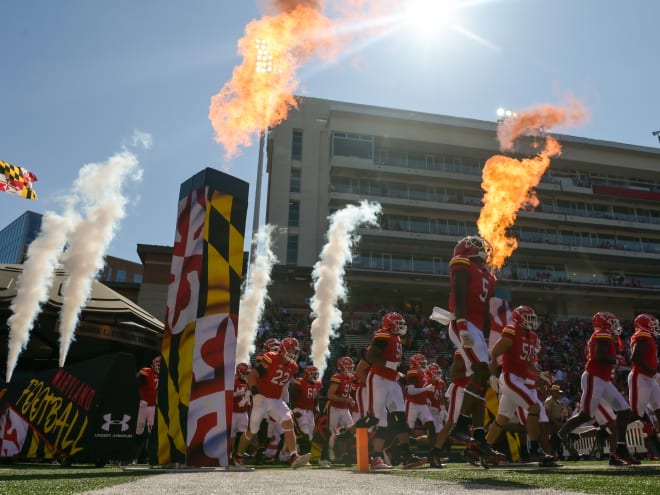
[
  {"x": 479, "y": 350},
  {"x": 384, "y": 395},
  {"x": 145, "y": 419},
  {"x": 643, "y": 390}
]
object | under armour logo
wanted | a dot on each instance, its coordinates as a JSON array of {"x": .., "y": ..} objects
[{"x": 109, "y": 421}]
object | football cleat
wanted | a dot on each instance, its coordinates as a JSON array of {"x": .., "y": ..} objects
[
  {"x": 296, "y": 460},
  {"x": 412, "y": 462},
  {"x": 377, "y": 464},
  {"x": 460, "y": 436}
]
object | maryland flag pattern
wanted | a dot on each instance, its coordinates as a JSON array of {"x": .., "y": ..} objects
[
  {"x": 195, "y": 393},
  {"x": 17, "y": 180}
]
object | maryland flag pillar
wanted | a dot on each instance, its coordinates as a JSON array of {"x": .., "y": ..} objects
[{"x": 199, "y": 344}]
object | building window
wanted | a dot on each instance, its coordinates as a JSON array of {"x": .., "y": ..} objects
[
  {"x": 296, "y": 145},
  {"x": 352, "y": 145},
  {"x": 292, "y": 250},
  {"x": 121, "y": 275},
  {"x": 108, "y": 275},
  {"x": 294, "y": 213},
  {"x": 137, "y": 278},
  {"x": 294, "y": 184}
]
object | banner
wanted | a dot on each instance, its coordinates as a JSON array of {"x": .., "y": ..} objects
[
  {"x": 84, "y": 412},
  {"x": 196, "y": 385}
]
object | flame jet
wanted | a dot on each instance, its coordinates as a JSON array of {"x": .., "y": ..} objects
[{"x": 509, "y": 183}]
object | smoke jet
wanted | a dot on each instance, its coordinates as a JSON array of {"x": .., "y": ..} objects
[{"x": 328, "y": 275}]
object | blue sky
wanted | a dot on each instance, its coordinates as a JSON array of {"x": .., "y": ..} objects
[{"x": 79, "y": 76}]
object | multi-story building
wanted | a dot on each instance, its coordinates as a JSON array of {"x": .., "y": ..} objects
[
  {"x": 592, "y": 243},
  {"x": 122, "y": 275},
  {"x": 16, "y": 236}
]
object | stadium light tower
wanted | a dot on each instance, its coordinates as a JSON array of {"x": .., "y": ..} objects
[
  {"x": 656, "y": 133},
  {"x": 264, "y": 66},
  {"x": 503, "y": 114}
]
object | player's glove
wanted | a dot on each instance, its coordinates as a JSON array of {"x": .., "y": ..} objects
[{"x": 246, "y": 399}]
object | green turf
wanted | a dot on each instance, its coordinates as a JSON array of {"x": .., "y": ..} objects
[
  {"x": 586, "y": 476},
  {"x": 38, "y": 479}
]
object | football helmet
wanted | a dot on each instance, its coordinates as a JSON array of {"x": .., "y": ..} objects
[
  {"x": 395, "y": 323},
  {"x": 525, "y": 317},
  {"x": 272, "y": 345},
  {"x": 418, "y": 362},
  {"x": 473, "y": 246},
  {"x": 155, "y": 364},
  {"x": 435, "y": 371},
  {"x": 345, "y": 365},
  {"x": 648, "y": 323},
  {"x": 290, "y": 348},
  {"x": 606, "y": 320},
  {"x": 242, "y": 371},
  {"x": 311, "y": 373}
]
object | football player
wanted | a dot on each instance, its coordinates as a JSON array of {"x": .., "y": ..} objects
[
  {"x": 239, "y": 417},
  {"x": 643, "y": 389},
  {"x": 472, "y": 285},
  {"x": 518, "y": 348},
  {"x": 304, "y": 398},
  {"x": 266, "y": 384},
  {"x": 385, "y": 394},
  {"x": 598, "y": 388}
]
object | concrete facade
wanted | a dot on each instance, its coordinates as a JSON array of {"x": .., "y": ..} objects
[{"x": 593, "y": 243}]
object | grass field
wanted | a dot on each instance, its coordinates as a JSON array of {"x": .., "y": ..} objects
[{"x": 586, "y": 476}]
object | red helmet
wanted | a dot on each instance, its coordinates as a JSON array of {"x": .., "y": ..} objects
[
  {"x": 395, "y": 323},
  {"x": 418, "y": 362},
  {"x": 605, "y": 320},
  {"x": 312, "y": 373},
  {"x": 290, "y": 348},
  {"x": 345, "y": 365},
  {"x": 525, "y": 317},
  {"x": 473, "y": 246},
  {"x": 435, "y": 371},
  {"x": 272, "y": 345},
  {"x": 242, "y": 370},
  {"x": 648, "y": 323},
  {"x": 155, "y": 364}
]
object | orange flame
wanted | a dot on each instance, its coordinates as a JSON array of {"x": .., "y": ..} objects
[
  {"x": 260, "y": 91},
  {"x": 536, "y": 121},
  {"x": 509, "y": 183}
]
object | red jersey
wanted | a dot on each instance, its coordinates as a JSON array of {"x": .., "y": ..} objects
[
  {"x": 437, "y": 398},
  {"x": 417, "y": 379},
  {"x": 650, "y": 356},
  {"x": 596, "y": 368},
  {"x": 530, "y": 379},
  {"x": 148, "y": 386},
  {"x": 241, "y": 387},
  {"x": 481, "y": 286},
  {"x": 308, "y": 394},
  {"x": 279, "y": 373},
  {"x": 344, "y": 386},
  {"x": 392, "y": 352},
  {"x": 356, "y": 388},
  {"x": 517, "y": 358}
]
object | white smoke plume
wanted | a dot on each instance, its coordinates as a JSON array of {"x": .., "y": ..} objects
[
  {"x": 255, "y": 295},
  {"x": 99, "y": 189},
  {"x": 97, "y": 193},
  {"x": 35, "y": 281},
  {"x": 328, "y": 275}
]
